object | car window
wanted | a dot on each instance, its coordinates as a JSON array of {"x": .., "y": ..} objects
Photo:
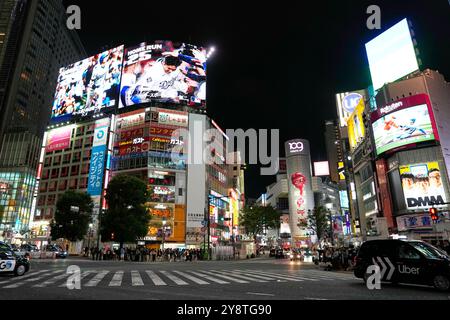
[
  {"x": 427, "y": 250},
  {"x": 405, "y": 251}
]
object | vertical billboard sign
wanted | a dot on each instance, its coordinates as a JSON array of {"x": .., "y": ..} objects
[
  {"x": 347, "y": 102},
  {"x": 301, "y": 197},
  {"x": 98, "y": 156},
  {"x": 422, "y": 186},
  {"x": 355, "y": 125}
]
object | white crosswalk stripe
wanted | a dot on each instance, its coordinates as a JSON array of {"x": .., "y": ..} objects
[
  {"x": 192, "y": 278},
  {"x": 117, "y": 279},
  {"x": 16, "y": 285},
  {"x": 97, "y": 278},
  {"x": 175, "y": 279},
  {"x": 29, "y": 275},
  {"x": 251, "y": 274},
  {"x": 136, "y": 279},
  {"x": 240, "y": 276},
  {"x": 48, "y": 278},
  {"x": 51, "y": 281},
  {"x": 155, "y": 278},
  {"x": 224, "y": 277},
  {"x": 83, "y": 275},
  {"x": 284, "y": 276},
  {"x": 209, "y": 278}
]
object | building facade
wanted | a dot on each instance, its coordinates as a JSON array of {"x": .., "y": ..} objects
[{"x": 34, "y": 44}]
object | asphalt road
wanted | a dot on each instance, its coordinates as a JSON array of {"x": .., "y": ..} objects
[{"x": 256, "y": 279}]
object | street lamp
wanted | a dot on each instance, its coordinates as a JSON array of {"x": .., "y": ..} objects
[{"x": 90, "y": 234}]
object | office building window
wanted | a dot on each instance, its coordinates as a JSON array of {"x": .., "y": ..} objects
[
  {"x": 66, "y": 158},
  {"x": 55, "y": 173},
  {"x": 73, "y": 184},
  {"x": 62, "y": 185},
  {"x": 75, "y": 170}
]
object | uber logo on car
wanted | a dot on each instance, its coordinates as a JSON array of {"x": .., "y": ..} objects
[{"x": 408, "y": 270}]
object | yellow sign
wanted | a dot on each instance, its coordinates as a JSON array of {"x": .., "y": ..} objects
[{"x": 355, "y": 125}]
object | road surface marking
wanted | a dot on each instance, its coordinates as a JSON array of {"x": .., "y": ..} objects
[
  {"x": 261, "y": 294},
  {"x": 194, "y": 279},
  {"x": 155, "y": 278},
  {"x": 51, "y": 281},
  {"x": 277, "y": 276},
  {"x": 117, "y": 279},
  {"x": 16, "y": 285},
  {"x": 253, "y": 275},
  {"x": 209, "y": 278},
  {"x": 15, "y": 279},
  {"x": 136, "y": 279},
  {"x": 175, "y": 279},
  {"x": 83, "y": 275},
  {"x": 225, "y": 277},
  {"x": 245, "y": 277},
  {"x": 96, "y": 280}
]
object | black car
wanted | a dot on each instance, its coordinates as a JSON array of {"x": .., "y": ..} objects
[
  {"x": 12, "y": 263},
  {"x": 59, "y": 252},
  {"x": 412, "y": 262},
  {"x": 279, "y": 254}
]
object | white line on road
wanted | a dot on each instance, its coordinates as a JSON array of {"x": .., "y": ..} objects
[
  {"x": 224, "y": 277},
  {"x": 117, "y": 279},
  {"x": 136, "y": 279},
  {"x": 24, "y": 277},
  {"x": 209, "y": 278},
  {"x": 96, "y": 280},
  {"x": 252, "y": 275},
  {"x": 16, "y": 285},
  {"x": 240, "y": 276},
  {"x": 51, "y": 281},
  {"x": 83, "y": 275},
  {"x": 261, "y": 294},
  {"x": 175, "y": 279},
  {"x": 194, "y": 279},
  {"x": 280, "y": 276},
  {"x": 308, "y": 298},
  {"x": 155, "y": 278}
]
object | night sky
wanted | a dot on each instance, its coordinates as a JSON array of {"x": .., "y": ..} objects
[{"x": 277, "y": 65}]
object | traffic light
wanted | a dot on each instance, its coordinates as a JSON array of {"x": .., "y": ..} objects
[
  {"x": 434, "y": 214},
  {"x": 112, "y": 235}
]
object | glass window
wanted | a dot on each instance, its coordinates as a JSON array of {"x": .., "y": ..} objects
[
  {"x": 83, "y": 183},
  {"x": 51, "y": 199},
  {"x": 45, "y": 174},
  {"x": 428, "y": 250},
  {"x": 78, "y": 144},
  {"x": 76, "y": 157},
  {"x": 73, "y": 183},
  {"x": 74, "y": 170},
  {"x": 41, "y": 201},
  {"x": 85, "y": 168},
  {"x": 64, "y": 172},
  {"x": 43, "y": 187},
  {"x": 405, "y": 251},
  {"x": 56, "y": 160},
  {"x": 55, "y": 173},
  {"x": 66, "y": 158},
  {"x": 47, "y": 162},
  {"x": 62, "y": 185},
  {"x": 52, "y": 186},
  {"x": 87, "y": 155}
]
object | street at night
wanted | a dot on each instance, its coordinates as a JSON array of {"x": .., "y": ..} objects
[
  {"x": 273, "y": 152},
  {"x": 259, "y": 279}
]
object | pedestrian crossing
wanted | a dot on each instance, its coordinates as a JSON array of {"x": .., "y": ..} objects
[{"x": 133, "y": 278}]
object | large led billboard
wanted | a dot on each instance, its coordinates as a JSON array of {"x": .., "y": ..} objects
[
  {"x": 391, "y": 55},
  {"x": 88, "y": 86},
  {"x": 355, "y": 125},
  {"x": 164, "y": 72},
  {"x": 407, "y": 121},
  {"x": 422, "y": 185}
]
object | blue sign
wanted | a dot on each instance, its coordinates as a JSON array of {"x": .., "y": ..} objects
[{"x": 97, "y": 167}]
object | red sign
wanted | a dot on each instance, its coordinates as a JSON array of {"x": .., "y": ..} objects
[
  {"x": 131, "y": 134},
  {"x": 160, "y": 131},
  {"x": 58, "y": 139}
]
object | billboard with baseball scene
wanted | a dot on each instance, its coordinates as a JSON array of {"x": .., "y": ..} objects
[{"x": 164, "y": 72}]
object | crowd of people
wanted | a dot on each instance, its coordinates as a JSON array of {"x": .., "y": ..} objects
[
  {"x": 143, "y": 254},
  {"x": 342, "y": 258}
]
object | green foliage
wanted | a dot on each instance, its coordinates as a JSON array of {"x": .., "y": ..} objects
[
  {"x": 126, "y": 216},
  {"x": 69, "y": 224},
  {"x": 256, "y": 218},
  {"x": 317, "y": 221}
]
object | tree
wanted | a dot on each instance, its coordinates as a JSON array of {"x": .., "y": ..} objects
[
  {"x": 257, "y": 218},
  {"x": 317, "y": 221},
  {"x": 126, "y": 218},
  {"x": 72, "y": 217}
]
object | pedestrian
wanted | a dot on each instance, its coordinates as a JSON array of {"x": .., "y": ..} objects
[
  {"x": 122, "y": 254},
  {"x": 447, "y": 247}
]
